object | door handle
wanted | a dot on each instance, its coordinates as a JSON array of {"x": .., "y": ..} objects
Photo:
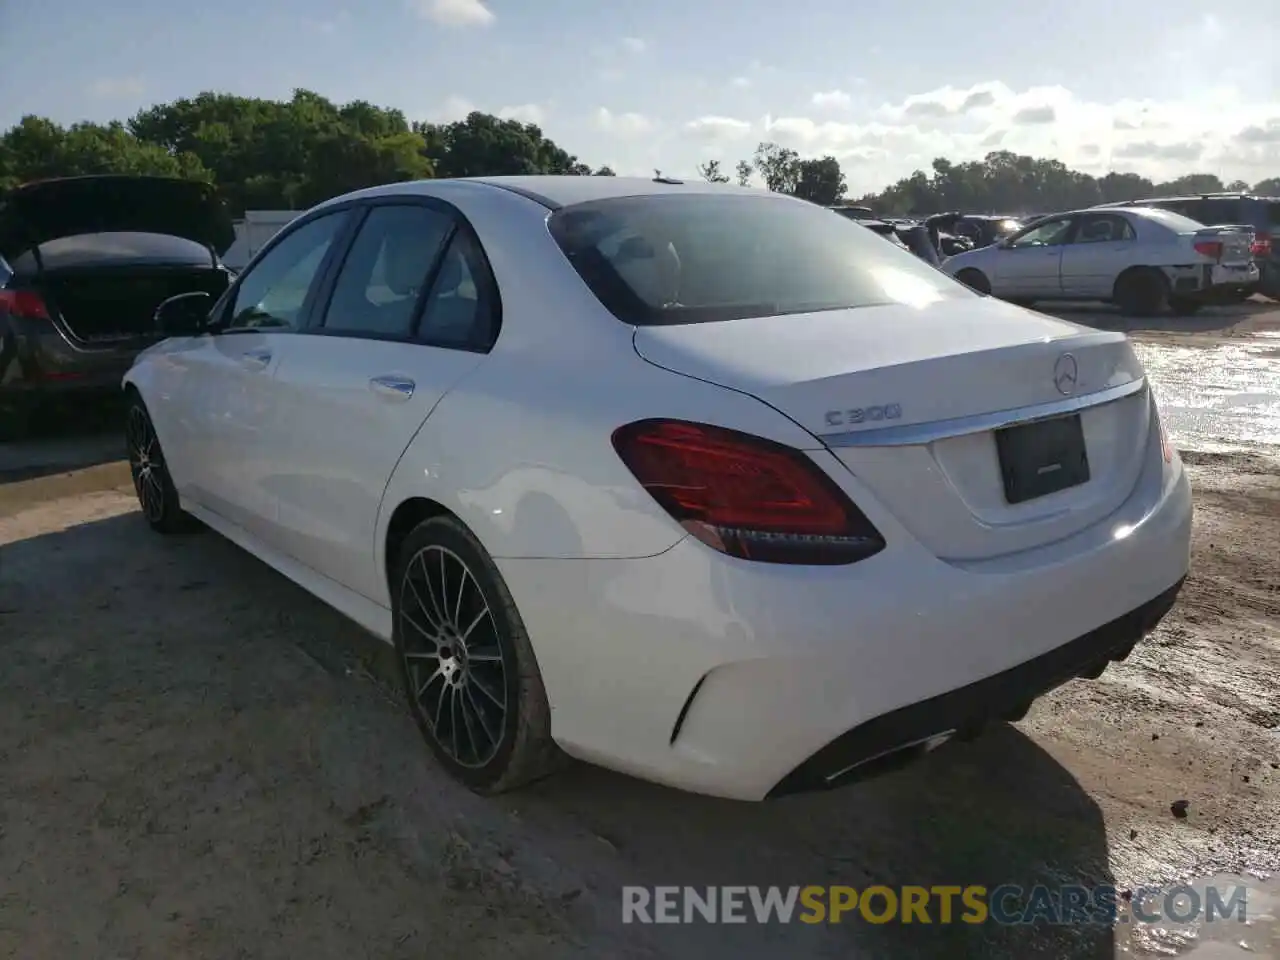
[
  {"x": 256, "y": 358},
  {"x": 393, "y": 388}
]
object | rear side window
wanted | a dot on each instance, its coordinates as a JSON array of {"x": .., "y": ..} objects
[
  {"x": 672, "y": 259},
  {"x": 1273, "y": 214}
]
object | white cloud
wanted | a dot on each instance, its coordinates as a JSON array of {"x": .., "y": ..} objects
[
  {"x": 525, "y": 113},
  {"x": 719, "y": 128},
  {"x": 454, "y": 13},
  {"x": 622, "y": 124},
  {"x": 633, "y": 44},
  {"x": 832, "y": 100},
  {"x": 453, "y": 108},
  {"x": 117, "y": 88},
  {"x": 740, "y": 82}
]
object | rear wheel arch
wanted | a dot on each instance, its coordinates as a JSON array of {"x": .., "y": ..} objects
[
  {"x": 406, "y": 516},
  {"x": 1141, "y": 290},
  {"x": 974, "y": 279}
]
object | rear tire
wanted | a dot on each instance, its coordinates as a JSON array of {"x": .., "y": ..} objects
[
  {"x": 1183, "y": 307},
  {"x": 1141, "y": 292},
  {"x": 466, "y": 663},
  {"x": 157, "y": 495},
  {"x": 975, "y": 280}
]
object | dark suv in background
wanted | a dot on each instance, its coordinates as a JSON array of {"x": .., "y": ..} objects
[
  {"x": 1217, "y": 209},
  {"x": 84, "y": 262}
]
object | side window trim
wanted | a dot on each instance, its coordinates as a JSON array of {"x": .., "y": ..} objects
[
  {"x": 323, "y": 294},
  {"x": 341, "y": 240}
]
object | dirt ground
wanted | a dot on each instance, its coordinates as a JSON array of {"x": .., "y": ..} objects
[{"x": 197, "y": 759}]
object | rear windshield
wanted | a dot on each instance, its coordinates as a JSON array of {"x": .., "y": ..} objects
[
  {"x": 1273, "y": 213},
  {"x": 671, "y": 259},
  {"x": 1174, "y": 221}
]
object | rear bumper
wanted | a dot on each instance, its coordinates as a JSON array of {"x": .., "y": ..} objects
[
  {"x": 732, "y": 678},
  {"x": 37, "y": 362},
  {"x": 901, "y": 735}
]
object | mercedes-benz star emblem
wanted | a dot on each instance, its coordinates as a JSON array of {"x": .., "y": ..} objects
[{"x": 1065, "y": 374}]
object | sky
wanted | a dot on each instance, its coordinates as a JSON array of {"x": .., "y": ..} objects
[{"x": 1159, "y": 88}]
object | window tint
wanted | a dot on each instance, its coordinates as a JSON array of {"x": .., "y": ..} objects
[
  {"x": 1048, "y": 234},
  {"x": 378, "y": 288},
  {"x": 673, "y": 258},
  {"x": 1273, "y": 214},
  {"x": 1103, "y": 228},
  {"x": 1212, "y": 212},
  {"x": 273, "y": 291},
  {"x": 462, "y": 309}
]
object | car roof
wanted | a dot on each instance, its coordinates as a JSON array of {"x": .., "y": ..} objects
[{"x": 554, "y": 192}]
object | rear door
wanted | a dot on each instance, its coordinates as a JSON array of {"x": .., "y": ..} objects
[
  {"x": 227, "y": 408},
  {"x": 1030, "y": 266},
  {"x": 411, "y": 310},
  {"x": 1101, "y": 247}
]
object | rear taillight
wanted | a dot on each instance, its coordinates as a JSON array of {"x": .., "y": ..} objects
[
  {"x": 746, "y": 496},
  {"x": 1166, "y": 447},
  {"x": 1261, "y": 246},
  {"x": 1210, "y": 248},
  {"x": 24, "y": 303}
]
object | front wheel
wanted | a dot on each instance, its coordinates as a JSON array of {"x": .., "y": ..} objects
[
  {"x": 151, "y": 481},
  {"x": 466, "y": 663}
]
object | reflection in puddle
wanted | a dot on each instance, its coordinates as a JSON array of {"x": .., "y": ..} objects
[
  {"x": 1228, "y": 394},
  {"x": 1226, "y": 938}
]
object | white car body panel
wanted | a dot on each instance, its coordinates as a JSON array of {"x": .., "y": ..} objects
[{"x": 628, "y": 615}]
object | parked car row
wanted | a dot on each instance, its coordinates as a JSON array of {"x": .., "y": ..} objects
[{"x": 1144, "y": 256}]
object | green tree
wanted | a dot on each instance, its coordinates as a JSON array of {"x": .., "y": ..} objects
[
  {"x": 820, "y": 181},
  {"x": 743, "y": 171},
  {"x": 710, "y": 172},
  {"x": 1268, "y": 188},
  {"x": 779, "y": 166}
]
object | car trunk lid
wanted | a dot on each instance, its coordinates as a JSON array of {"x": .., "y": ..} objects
[
  {"x": 1230, "y": 245},
  {"x": 912, "y": 402},
  {"x": 36, "y": 213}
]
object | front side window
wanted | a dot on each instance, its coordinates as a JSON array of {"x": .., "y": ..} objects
[
  {"x": 673, "y": 259},
  {"x": 272, "y": 293},
  {"x": 378, "y": 287},
  {"x": 1051, "y": 233}
]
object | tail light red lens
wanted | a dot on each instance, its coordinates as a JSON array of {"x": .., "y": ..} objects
[
  {"x": 1210, "y": 248},
  {"x": 24, "y": 303},
  {"x": 1261, "y": 246},
  {"x": 746, "y": 496}
]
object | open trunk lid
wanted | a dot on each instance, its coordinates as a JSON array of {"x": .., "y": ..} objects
[
  {"x": 35, "y": 213},
  {"x": 913, "y": 402}
]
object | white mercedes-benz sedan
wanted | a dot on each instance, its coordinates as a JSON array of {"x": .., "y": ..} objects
[{"x": 699, "y": 483}]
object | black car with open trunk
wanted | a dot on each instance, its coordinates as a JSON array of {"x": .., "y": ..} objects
[{"x": 84, "y": 262}]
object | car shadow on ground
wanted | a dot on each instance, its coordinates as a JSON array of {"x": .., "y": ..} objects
[
  {"x": 189, "y": 658},
  {"x": 65, "y": 439}
]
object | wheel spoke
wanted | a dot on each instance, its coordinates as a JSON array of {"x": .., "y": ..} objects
[
  {"x": 426, "y": 582},
  {"x": 485, "y": 655},
  {"x": 462, "y": 590},
  {"x": 453, "y": 723},
  {"x": 483, "y": 688},
  {"x": 484, "y": 612},
  {"x": 432, "y": 638},
  {"x": 465, "y": 710},
  {"x": 484, "y": 723},
  {"x": 417, "y": 598}
]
